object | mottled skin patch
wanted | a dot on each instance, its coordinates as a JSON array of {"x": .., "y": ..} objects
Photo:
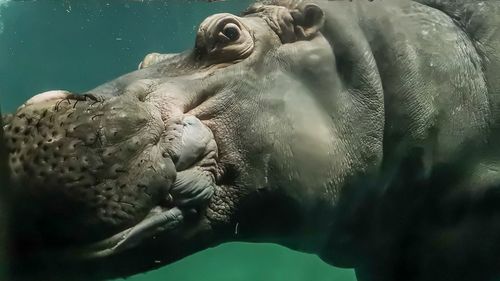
[{"x": 364, "y": 132}]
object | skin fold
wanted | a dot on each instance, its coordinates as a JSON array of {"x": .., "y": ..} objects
[{"x": 362, "y": 131}]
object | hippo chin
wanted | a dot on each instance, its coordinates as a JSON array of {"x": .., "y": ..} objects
[{"x": 364, "y": 132}]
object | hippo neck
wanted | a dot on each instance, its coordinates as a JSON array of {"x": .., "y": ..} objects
[
  {"x": 426, "y": 139},
  {"x": 426, "y": 108}
]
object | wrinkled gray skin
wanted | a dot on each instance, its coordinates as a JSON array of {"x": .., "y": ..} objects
[{"x": 364, "y": 132}]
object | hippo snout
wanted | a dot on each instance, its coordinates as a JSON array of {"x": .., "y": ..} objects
[{"x": 92, "y": 167}]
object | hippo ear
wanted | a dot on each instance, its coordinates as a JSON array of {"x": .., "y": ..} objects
[{"x": 308, "y": 20}]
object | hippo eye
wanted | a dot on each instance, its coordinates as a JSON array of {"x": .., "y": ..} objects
[
  {"x": 223, "y": 38},
  {"x": 231, "y": 31}
]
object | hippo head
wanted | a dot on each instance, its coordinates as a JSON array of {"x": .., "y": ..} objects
[{"x": 249, "y": 136}]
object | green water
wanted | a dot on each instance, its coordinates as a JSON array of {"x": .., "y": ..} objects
[{"x": 77, "y": 45}]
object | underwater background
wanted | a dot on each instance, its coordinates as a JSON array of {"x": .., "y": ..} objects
[{"x": 79, "y": 44}]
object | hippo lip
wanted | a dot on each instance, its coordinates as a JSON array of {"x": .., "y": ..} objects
[{"x": 159, "y": 220}]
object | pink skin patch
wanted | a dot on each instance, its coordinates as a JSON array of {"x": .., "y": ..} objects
[{"x": 47, "y": 96}]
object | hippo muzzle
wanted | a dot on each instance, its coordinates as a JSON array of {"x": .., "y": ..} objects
[{"x": 92, "y": 167}]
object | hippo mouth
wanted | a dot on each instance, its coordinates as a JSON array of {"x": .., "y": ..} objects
[
  {"x": 159, "y": 220},
  {"x": 166, "y": 161}
]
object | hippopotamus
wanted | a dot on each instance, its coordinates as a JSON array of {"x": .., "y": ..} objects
[{"x": 361, "y": 131}]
